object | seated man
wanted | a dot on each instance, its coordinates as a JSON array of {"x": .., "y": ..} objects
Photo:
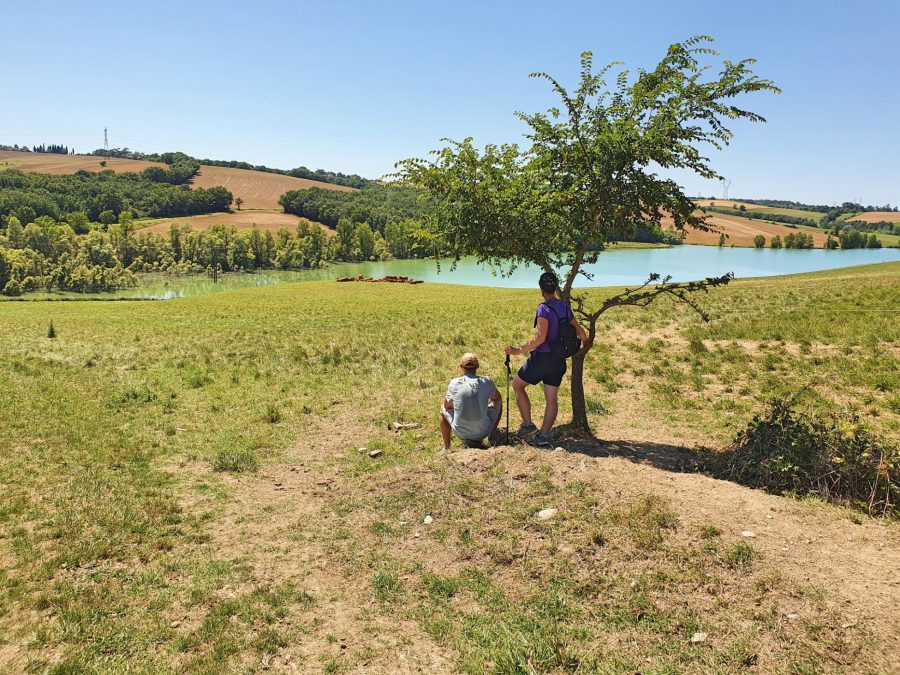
[{"x": 472, "y": 406}]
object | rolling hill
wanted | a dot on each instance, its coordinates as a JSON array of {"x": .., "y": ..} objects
[
  {"x": 741, "y": 231},
  {"x": 258, "y": 189}
]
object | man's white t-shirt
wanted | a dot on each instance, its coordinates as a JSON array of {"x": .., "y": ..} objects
[{"x": 470, "y": 395}]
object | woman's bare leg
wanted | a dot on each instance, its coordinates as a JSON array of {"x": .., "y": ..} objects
[
  {"x": 551, "y": 408},
  {"x": 522, "y": 399}
]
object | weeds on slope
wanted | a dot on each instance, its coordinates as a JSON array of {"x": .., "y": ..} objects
[{"x": 785, "y": 451}]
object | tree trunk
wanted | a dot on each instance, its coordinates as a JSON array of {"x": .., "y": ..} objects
[{"x": 579, "y": 408}]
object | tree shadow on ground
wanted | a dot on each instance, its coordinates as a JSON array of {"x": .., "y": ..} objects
[{"x": 676, "y": 458}]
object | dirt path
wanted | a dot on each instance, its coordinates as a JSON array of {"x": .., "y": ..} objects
[{"x": 278, "y": 521}]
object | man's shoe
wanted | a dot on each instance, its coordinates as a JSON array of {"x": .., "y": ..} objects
[
  {"x": 526, "y": 431},
  {"x": 541, "y": 441}
]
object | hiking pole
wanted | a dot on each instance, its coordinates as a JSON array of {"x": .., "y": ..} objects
[{"x": 508, "y": 371}]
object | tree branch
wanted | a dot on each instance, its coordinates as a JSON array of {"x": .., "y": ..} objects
[{"x": 650, "y": 291}]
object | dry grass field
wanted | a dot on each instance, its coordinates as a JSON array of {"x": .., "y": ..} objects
[
  {"x": 758, "y": 208},
  {"x": 265, "y": 220},
  {"x": 741, "y": 231},
  {"x": 877, "y": 217},
  {"x": 34, "y": 162},
  {"x": 258, "y": 189}
]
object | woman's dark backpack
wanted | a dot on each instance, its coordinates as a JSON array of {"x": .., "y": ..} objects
[{"x": 567, "y": 343}]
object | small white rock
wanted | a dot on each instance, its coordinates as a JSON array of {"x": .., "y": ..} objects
[
  {"x": 559, "y": 448},
  {"x": 428, "y": 520},
  {"x": 699, "y": 637},
  {"x": 748, "y": 533},
  {"x": 361, "y": 450},
  {"x": 769, "y": 516},
  {"x": 376, "y": 453},
  {"x": 792, "y": 617},
  {"x": 174, "y": 624},
  {"x": 546, "y": 514}
]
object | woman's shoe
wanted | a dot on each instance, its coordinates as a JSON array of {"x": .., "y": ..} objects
[{"x": 526, "y": 431}]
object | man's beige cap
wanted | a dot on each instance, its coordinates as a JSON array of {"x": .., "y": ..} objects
[{"x": 469, "y": 361}]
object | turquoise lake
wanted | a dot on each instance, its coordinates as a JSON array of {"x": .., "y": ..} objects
[{"x": 620, "y": 267}]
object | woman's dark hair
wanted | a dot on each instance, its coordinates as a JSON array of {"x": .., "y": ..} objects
[{"x": 548, "y": 282}]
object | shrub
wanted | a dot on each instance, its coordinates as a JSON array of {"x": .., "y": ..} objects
[
  {"x": 51, "y": 331},
  {"x": 835, "y": 458},
  {"x": 596, "y": 407},
  {"x": 272, "y": 414},
  {"x": 740, "y": 555},
  {"x": 759, "y": 241},
  {"x": 234, "y": 460}
]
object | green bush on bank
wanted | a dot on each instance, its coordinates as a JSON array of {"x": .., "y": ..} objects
[{"x": 785, "y": 451}]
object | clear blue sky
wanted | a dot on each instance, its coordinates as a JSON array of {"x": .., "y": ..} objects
[{"x": 355, "y": 86}]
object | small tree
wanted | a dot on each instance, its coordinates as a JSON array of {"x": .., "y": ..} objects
[
  {"x": 238, "y": 202},
  {"x": 51, "y": 331},
  {"x": 759, "y": 241},
  {"x": 776, "y": 241},
  {"x": 721, "y": 239},
  {"x": 589, "y": 177}
]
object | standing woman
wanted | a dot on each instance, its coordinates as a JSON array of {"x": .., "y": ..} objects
[{"x": 543, "y": 366}]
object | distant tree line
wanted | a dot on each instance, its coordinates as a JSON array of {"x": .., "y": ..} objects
[
  {"x": 377, "y": 205},
  {"x": 649, "y": 233},
  {"x": 333, "y": 177},
  {"x": 157, "y": 192},
  {"x": 846, "y": 207},
  {"x": 850, "y": 238},
  {"x": 398, "y": 214},
  {"x": 52, "y": 147},
  {"x": 885, "y": 226},
  {"x": 49, "y": 254}
]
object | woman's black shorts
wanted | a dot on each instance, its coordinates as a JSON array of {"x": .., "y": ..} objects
[{"x": 543, "y": 367}]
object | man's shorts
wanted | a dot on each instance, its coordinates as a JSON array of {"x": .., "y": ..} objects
[
  {"x": 493, "y": 411},
  {"x": 543, "y": 367}
]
